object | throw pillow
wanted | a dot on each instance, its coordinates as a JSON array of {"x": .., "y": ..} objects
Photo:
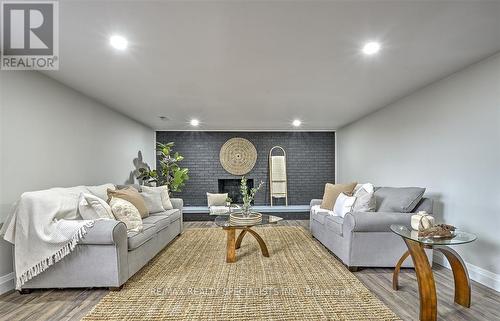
[
  {"x": 332, "y": 191},
  {"x": 126, "y": 212},
  {"x": 216, "y": 199},
  {"x": 136, "y": 186},
  {"x": 92, "y": 207},
  {"x": 165, "y": 198},
  {"x": 343, "y": 205},
  {"x": 398, "y": 199},
  {"x": 152, "y": 198},
  {"x": 366, "y": 186},
  {"x": 131, "y": 195},
  {"x": 101, "y": 190},
  {"x": 365, "y": 199}
]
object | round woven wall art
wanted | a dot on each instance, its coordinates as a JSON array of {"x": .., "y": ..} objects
[{"x": 238, "y": 156}]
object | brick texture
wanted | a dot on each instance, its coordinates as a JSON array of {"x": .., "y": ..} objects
[{"x": 310, "y": 162}]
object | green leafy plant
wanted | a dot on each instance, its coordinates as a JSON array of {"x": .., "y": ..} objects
[
  {"x": 248, "y": 195},
  {"x": 170, "y": 173}
]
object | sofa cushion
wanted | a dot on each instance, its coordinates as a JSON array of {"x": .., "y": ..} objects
[
  {"x": 174, "y": 216},
  {"x": 332, "y": 191},
  {"x": 217, "y": 199},
  {"x": 167, "y": 212},
  {"x": 101, "y": 190},
  {"x": 398, "y": 199},
  {"x": 320, "y": 217},
  {"x": 365, "y": 198},
  {"x": 91, "y": 207},
  {"x": 165, "y": 197},
  {"x": 343, "y": 205},
  {"x": 318, "y": 214},
  {"x": 153, "y": 200},
  {"x": 159, "y": 221},
  {"x": 125, "y": 186},
  {"x": 136, "y": 239},
  {"x": 131, "y": 195},
  {"x": 127, "y": 213},
  {"x": 218, "y": 210},
  {"x": 425, "y": 204},
  {"x": 334, "y": 224}
]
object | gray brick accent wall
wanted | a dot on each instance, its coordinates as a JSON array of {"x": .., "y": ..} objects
[{"x": 310, "y": 162}]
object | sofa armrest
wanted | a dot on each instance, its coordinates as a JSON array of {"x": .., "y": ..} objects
[
  {"x": 105, "y": 232},
  {"x": 375, "y": 221},
  {"x": 315, "y": 201},
  {"x": 177, "y": 203}
]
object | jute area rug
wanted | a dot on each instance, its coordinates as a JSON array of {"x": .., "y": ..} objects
[{"x": 190, "y": 280}]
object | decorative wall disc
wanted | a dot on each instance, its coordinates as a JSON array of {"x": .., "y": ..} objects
[{"x": 238, "y": 156}]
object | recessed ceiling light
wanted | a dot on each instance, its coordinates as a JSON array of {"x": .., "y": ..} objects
[
  {"x": 371, "y": 48},
  {"x": 296, "y": 123},
  {"x": 118, "y": 42},
  {"x": 194, "y": 122}
]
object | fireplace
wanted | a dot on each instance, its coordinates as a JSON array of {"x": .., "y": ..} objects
[{"x": 232, "y": 188}]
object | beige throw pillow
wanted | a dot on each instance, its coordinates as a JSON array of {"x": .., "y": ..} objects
[
  {"x": 216, "y": 199},
  {"x": 131, "y": 195},
  {"x": 127, "y": 213},
  {"x": 165, "y": 198},
  {"x": 332, "y": 191}
]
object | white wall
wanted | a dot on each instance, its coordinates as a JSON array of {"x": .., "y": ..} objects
[
  {"x": 51, "y": 135},
  {"x": 445, "y": 137}
]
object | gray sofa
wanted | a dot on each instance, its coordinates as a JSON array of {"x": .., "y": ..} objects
[
  {"x": 108, "y": 256},
  {"x": 364, "y": 239}
]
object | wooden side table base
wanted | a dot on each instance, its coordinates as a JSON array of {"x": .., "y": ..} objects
[
  {"x": 425, "y": 278},
  {"x": 460, "y": 275},
  {"x": 233, "y": 244},
  {"x": 395, "y": 275},
  {"x": 426, "y": 285}
]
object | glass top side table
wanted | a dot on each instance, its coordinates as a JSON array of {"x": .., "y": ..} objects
[{"x": 425, "y": 278}]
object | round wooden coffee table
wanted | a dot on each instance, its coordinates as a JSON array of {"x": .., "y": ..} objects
[{"x": 234, "y": 243}]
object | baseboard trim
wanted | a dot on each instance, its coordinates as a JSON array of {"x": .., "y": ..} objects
[
  {"x": 476, "y": 273},
  {"x": 6, "y": 283}
]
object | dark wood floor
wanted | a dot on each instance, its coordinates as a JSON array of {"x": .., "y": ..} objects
[{"x": 57, "y": 305}]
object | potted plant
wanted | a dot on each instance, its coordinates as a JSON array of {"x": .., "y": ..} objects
[
  {"x": 248, "y": 195},
  {"x": 170, "y": 173}
]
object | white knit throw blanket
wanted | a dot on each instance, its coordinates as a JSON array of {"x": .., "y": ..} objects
[{"x": 44, "y": 227}]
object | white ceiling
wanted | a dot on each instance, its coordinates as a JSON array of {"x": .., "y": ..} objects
[{"x": 245, "y": 65}]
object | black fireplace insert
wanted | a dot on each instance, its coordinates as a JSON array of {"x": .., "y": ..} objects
[{"x": 232, "y": 188}]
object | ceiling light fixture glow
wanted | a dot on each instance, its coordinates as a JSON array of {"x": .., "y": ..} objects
[
  {"x": 194, "y": 122},
  {"x": 371, "y": 48},
  {"x": 118, "y": 42},
  {"x": 296, "y": 123}
]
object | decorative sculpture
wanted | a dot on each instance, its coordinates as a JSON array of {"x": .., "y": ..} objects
[{"x": 238, "y": 156}]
